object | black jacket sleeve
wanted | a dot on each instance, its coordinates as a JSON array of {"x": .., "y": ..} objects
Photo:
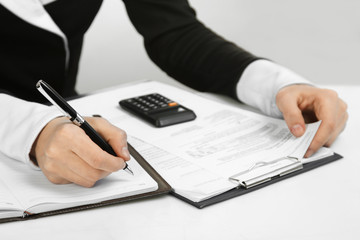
[{"x": 185, "y": 49}]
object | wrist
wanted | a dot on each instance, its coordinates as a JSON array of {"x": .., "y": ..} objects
[{"x": 261, "y": 82}]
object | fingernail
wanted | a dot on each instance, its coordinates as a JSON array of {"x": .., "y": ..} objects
[
  {"x": 297, "y": 130},
  {"x": 125, "y": 152}
]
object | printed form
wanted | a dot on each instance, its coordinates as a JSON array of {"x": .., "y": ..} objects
[{"x": 197, "y": 158}]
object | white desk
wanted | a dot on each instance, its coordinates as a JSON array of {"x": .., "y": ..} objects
[{"x": 321, "y": 204}]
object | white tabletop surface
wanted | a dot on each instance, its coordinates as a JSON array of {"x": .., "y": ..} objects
[{"x": 320, "y": 204}]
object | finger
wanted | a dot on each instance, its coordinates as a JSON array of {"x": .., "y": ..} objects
[
  {"x": 340, "y": 128},
  {"x": 327, "y": 127},
  {"x": 55, "y": 179},
  {"x": 69, "y": 176},
  {"x": 292, "y": 115},
  {"x": 84, "y": 170},
  {"x": 70, "y": 168},
  {"x": 93, "y": 155},
  {"x": 322, "y": 136},
  {"x": 59, "y": 173},
  {"x": 83, "y": 178},
  {"x": 115, "y": 136}
]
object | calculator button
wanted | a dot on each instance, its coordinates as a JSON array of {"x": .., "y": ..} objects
[
  {"x": 172, "y": 104},
  {"x": 151, "y": 103}
]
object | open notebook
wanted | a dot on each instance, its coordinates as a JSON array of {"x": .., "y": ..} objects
[{"x": 26, "y": 194}]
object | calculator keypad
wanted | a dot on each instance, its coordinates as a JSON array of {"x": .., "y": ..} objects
[
  {"x": 151, "y": 103},
  {"x": 157, "y": 110}
]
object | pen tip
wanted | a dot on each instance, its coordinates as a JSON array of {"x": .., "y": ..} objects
[{"x": 128, "y": 170}]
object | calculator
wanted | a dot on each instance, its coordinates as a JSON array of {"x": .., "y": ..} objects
[{"x": 157, "y": 110}]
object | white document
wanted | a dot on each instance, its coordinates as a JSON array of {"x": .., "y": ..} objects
[{"x": 197, "y": 158}]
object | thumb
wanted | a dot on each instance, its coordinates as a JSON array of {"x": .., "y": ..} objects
[{"x": 293, "y": 117}]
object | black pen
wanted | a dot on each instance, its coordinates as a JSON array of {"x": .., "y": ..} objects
[{"x": 51, "y": 95}]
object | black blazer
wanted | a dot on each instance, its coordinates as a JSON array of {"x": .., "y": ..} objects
[{"x": 174, "y": 39}]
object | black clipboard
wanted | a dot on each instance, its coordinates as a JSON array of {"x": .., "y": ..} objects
[{"x": 241, "y": 191}]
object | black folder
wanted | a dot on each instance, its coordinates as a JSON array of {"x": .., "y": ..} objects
[{"x": 241, "y": 191}]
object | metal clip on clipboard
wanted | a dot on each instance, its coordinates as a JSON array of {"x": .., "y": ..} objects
[{"x": 261, "y": 172}]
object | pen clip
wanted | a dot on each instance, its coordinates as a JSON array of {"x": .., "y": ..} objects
[{"x": 53, "y": 97}]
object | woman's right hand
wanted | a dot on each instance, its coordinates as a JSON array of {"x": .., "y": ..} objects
[{"x": 66, "y": 154}]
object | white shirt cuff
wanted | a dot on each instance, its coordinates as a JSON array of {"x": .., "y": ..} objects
[
  {"x": 21, "y": 123},
  {"x": 260, "y": 83}
]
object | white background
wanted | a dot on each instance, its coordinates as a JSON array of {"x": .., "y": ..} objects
[{"x": 319, "y": 39}]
